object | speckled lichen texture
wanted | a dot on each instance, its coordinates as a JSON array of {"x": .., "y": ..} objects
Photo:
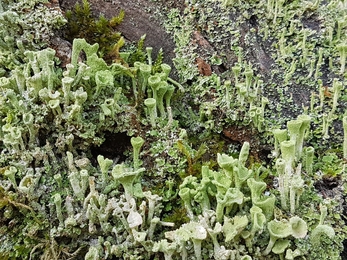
[{"x": 221, "y": 134}]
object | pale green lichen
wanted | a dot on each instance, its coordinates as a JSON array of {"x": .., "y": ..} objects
[
  {"x": 26, "y": 25},
  {"x": 68, "y": 178}
]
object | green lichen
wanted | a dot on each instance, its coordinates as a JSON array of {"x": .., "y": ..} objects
[
  {"x": 26, "y": 25},
  {"x": 105, "y": 160}
]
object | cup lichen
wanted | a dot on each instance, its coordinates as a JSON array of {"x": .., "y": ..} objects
[{"x": 207, "y": 185}]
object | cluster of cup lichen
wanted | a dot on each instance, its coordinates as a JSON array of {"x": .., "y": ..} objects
[
  {"x": 60, "y": 199},
  {"x": 26, "y": 25},
  {"x": 51, "y": 121}
]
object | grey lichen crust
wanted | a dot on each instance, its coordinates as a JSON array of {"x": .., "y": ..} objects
[{"x": 100, "y": 161}]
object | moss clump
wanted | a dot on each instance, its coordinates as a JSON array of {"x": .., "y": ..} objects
[{"x": 82, "y": 24}]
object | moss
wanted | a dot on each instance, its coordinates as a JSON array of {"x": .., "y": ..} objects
[
  {"x": 158, "y": 62},
  {"x": 82, "y": 24},
  {"x": 139, "y": 54}
]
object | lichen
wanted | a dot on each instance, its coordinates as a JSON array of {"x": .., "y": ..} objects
[
  {"x": 26, "y": 25},
  {"x": 116, "y": 159}
]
